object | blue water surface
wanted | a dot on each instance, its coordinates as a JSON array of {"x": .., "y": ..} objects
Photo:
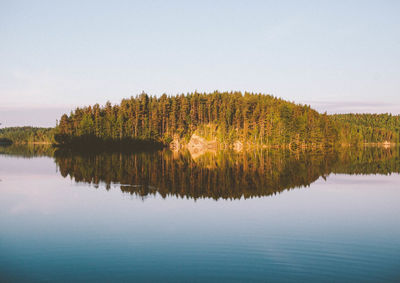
[{"x": 342, "y": 229}]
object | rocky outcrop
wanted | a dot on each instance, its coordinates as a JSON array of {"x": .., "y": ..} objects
[
  {"x": 197, "y": 142},
  {"x": 198, "y": 145}
]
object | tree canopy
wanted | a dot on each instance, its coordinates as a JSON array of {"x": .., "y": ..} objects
[{"x": 225, "y": 116}]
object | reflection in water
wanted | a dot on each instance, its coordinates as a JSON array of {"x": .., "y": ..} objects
[
  {"x": 224, "y": 174},
  {"x": 28, "y": 150},
  {"x": 345, "y": 229}
]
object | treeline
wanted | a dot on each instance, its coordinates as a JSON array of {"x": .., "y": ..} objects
[
  {"x": 28, "y": 134},
  {"x": 254, "y": 119},
  {"x": 368, "y": 128},
  {"x": 224, "y": 116}
]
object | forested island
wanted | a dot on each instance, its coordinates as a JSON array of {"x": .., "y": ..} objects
[
  {"x": 218, "y": 120},
  {"x": 227, "y": 118}
]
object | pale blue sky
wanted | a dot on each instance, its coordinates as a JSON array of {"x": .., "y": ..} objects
[{"x": 338, "y": 56}]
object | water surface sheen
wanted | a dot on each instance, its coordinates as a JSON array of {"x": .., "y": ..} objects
[{"x": 163, "y": 216}]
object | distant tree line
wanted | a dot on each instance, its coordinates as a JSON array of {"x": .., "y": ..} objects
[
  {"x": 27, "y": 134},
  {"x": 368, "y": 128},
  {"x": 255, "y": 119}
]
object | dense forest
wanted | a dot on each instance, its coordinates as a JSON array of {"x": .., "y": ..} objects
[
  {"x": 27, "y": 135},
  {"x": 368, "y": 128},
  {"x": 227, "y": 117}
]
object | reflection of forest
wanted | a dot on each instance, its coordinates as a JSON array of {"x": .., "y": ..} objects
[
  {"x": 28, "y": 150},
  {"x": 224, "y": 174}
]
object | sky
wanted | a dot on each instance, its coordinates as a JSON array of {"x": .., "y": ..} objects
[{"x": 337, "y": 56}]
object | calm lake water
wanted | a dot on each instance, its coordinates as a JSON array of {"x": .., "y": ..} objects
[{"x": 163, "y": 216}]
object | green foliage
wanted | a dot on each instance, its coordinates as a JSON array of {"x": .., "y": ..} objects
[
  {"x": 368, "y": 128},
  {"x": 28, "y": 134},
  {"x": 255, "y": 119},
  {"x": 225, "y": 116}
]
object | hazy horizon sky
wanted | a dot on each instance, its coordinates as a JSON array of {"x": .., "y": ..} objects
[{"x": 337, "y": 56}]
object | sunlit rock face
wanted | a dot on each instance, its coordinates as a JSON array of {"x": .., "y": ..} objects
[{"x": 198, "y": 145}]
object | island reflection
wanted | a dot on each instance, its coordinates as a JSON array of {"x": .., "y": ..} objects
[{"x": 224, "y": 174}]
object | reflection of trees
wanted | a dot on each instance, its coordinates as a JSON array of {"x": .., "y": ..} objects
[
  {"x": 27, "y": 150},
  {"x": 370, "y": 160},
  {"x": 223, "y": 174},
  {"x": 226, "y": 175}
]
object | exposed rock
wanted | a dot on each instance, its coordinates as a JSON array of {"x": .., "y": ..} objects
[
  {"x": 197, "y": 142},
  {"x": 198, "y": 145}
]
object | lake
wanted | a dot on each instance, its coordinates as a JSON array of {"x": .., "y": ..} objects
[{"x": 219, "y": 217}]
